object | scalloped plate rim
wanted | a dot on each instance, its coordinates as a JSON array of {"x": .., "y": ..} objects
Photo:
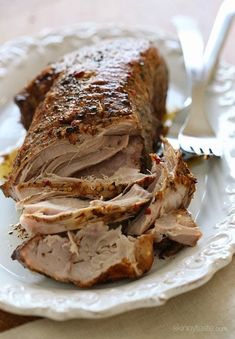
[{"x": 68, "y": 312}]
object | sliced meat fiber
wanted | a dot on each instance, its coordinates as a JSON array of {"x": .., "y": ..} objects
[
  {"x": 64, "y": 158},
  {"x": 44, "y": 218},
  {"x": 68, "y": 165},
  {"x": 173, "y": 189},
  {"x": 106, "y": 179},
  {"x": 178, "y": 226},
  {"x": 67, "y": 159},
  {"x": 129, "y": 157},
  {"x": 85, "y": 187},
  {"x": 88, "y": 257},
  {"x": 55, "y": 206}
]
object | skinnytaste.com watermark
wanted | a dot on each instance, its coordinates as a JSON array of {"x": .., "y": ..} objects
[{"x": 199, "y": 328}]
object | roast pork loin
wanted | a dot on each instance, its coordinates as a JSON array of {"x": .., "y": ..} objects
[
  {"x": 96, "y": 110},
  {"x": 91, "y": 201}
]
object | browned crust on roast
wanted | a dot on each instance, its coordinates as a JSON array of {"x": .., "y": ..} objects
[
  {"x": 144, "y": 258},
  {"x": 34, "y": 93},
  {"x": 185, "y": 177},
  {"x": 144, "y": 252},
  {"x": 167, "y": 248},
  {"x": 182, "y": 176},
  {"x": 96, "y": 87}
]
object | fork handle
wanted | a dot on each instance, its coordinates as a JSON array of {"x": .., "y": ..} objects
[
  {"x": 189, "y": 33},
  {"x": 217, "y": 37}
]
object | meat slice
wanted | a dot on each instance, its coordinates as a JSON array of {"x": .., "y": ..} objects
[
  {"x": 55, "y": 205},
  {"x": 104, "y": 99},
  {"x": 90, "y": 256},
  {"x": 173, "y": 189},
  {"x": 64, "y": 160},
  {"x": 86, "y": 187},
  {"x": 63, "y": 214},
  {"x": 178, "y": 226}
]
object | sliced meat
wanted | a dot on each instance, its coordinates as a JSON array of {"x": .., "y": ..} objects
[
  {"x": 178, "y": 226},
  {"x": 53, "y": 216},
  {"x": 90, "y": 256},
  {"x": 173, "y": 188},
  {"x": 101, "y": 97},
  {"x": 64, "y": 160},
  {"x": 106, "y": 179},
  {"x": 85, "y": 187},
  {"x": 55, "y": 206},
  {"x": 128, "y": 158}
]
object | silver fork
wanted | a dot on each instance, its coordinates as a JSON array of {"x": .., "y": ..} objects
[{"x": 196, "y": 135}]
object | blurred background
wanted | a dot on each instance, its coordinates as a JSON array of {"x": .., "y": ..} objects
[{"x": 27, "y": 17}]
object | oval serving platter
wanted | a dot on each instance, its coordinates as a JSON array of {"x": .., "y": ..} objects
[{"x": 24, "y": 292}]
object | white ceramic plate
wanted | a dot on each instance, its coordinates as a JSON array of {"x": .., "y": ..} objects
[{"x": 24, "y": 292}]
